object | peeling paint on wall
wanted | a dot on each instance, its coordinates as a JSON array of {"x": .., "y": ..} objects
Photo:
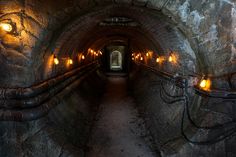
[
  {"x": 194, "y": 21},
  {"x": 211, "y": 38},
  {"x": 233, "y": 52},
  {"x": 212, "y": 34},
  {"x": 233, "y": 27},
  {"x": 186, "y": 47},
  {"x": 184, "y": 11},
  {"x": 226, "y": 1}
]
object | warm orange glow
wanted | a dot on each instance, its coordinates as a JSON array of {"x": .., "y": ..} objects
[
  {"x": 70, "y": 61},
  {"x": 132, "y": 58},
  {"x": 173, "y": 58},
  {"x": 141, "y": 58},
  {"x": 96, "y": 54},
  {"x": 170, "y": 59},
  {"x": 100, "y": 52},
  {"x": 158, "y": 59},
  {"x": 91, "y": 51},
  {"x": 55, "y": 60},
  {"x": 147, "y": 54},
  {"x": 205, "y": 84},
  {"x": 6, "y": 27},
  {"x": 132, "y": 54},
  {"x": 83, "y": 57}
]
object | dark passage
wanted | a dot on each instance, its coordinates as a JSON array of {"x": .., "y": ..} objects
[
  {"x": 118, "y": 131},
  {"x": 176, "y": 96}
]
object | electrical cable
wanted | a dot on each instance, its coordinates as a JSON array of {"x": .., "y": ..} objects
[
  {"x": 169, "y": 95},
  {"x": 216, "y": 126},
  {"x": 169, "y": 101},
  {"x": 216, "y": 139}
]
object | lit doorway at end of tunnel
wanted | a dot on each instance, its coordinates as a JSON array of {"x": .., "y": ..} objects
[
  {"x": 116, "y": 61},
  {"x": 116, "y": 58}
]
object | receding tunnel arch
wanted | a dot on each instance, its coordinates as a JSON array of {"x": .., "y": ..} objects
[
  {"x": 84, "y": 32},
  {"x": 158, "y": 37},
  {"x": 169, "y": 48},
  {"x": 116, "y": 60}
]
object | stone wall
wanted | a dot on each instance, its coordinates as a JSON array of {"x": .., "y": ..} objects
[
  {"x": 164, "y": 119},
  {"x": 63, "y": 132}
]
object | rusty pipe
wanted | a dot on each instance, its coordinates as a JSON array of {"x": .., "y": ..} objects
[
  {"x": 37, "y": 100},
  {"x": 19, "y": 93},
  {"x": 43, "y": 109}
]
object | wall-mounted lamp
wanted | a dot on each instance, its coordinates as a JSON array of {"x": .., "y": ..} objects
[
  {"x": 6, "y": 27},
  {"x": 83, "y": 57},
  {"x": 158, "y": 59},
  {"x": 205, "y": 84},
  {"x": 55, "y": 60},
  {"x": 170, "y": 59},
  {"x": 70, "y": 61}
]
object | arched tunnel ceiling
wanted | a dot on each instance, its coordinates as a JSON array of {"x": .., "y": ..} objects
[
  {"x": 195, "y": 29},
  {"x": 91, "y": 28},
  {"x": 157, "y": 33}
]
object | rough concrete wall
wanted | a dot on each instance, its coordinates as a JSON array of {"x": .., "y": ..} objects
[
  {"x": 63, "y": 132},
  {"x": 209, "y": 24},
  {"x": 164, "y": 120}
]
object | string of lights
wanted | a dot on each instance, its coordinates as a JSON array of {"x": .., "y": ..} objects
[{"x": 81, "y": 56}]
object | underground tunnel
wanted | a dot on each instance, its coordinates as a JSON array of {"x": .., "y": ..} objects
[{"x": 117, "y": 78}]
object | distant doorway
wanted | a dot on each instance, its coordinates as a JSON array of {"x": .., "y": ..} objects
[{"x": 116, "y": 60}]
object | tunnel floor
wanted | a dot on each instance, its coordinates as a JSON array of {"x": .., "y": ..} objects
[{"x": 118, "y": 131}]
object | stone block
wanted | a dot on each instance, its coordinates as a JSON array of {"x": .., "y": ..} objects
[
  {"x": 34, "y": 10},
  {"x": 28, "y": 39},
  {"x": 32, "y": 26},
  {"x": 10, "y": 6}
]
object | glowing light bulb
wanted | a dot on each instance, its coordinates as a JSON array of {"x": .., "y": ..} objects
[
  {"x": 100, "y": 52},
  {"x": 158, "y": 60},
  {"x": 55, "y": 60},
  {"x": 203, "y": 83},
  {"x": 147, "y": 54},
  {"x": 83, "y": 57},
  {"x": 141, "y": 58},
  {"x": 132, "y": 58},
  {"x": 170, "y": 59},
  {"x": 70, "y": 61},
  {"x": 6, "y": 27}
]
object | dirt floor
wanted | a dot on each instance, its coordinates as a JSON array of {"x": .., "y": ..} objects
[{"x": 118, "y": 131}]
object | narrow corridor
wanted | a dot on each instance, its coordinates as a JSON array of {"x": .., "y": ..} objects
[{"x": 117, "y": 132}]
